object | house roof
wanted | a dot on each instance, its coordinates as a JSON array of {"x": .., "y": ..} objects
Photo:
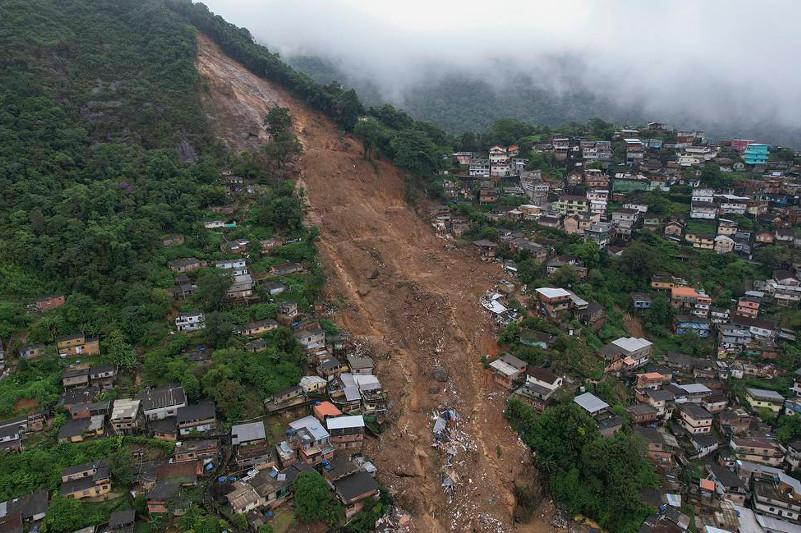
[
  {"x": 764, "y": 394},
  {"x": 695, "y": 411},
  {"x": 162, "y": 397},
  {"x": 324, "y": 409},
  {"x": 551, "y": 292},
  {"x": 590, "y": 402},
  {"x": 198, "y": 411},
  {"x": 345, "y": 422},
  {"x": 351, "y": 487},
  {"x": 631, "y": 344},
  {"x": 241, "y": 433},
  {"x": 543, "y": 374},
  {"x": 312, "y": 425}
]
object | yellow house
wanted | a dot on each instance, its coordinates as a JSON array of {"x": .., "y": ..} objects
[{"x": 764, "y": 399}]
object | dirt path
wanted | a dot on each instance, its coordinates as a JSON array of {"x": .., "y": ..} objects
[{"x": 415, "y": 301}]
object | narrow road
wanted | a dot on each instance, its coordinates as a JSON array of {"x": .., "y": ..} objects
[{"x": 417, "y": 303}]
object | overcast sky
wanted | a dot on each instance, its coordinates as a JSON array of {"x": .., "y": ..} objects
[{"x": 717, "y": 60}]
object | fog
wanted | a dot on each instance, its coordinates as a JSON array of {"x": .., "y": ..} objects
[{"x": 731, "y": 65}]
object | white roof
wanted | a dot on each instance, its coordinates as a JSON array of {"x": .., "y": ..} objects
[
  {"x": 551, "y": 292},
  {"x": 366, "y": 382},
  {"x": 631, "y": 344},
  {"x": 124, "y": 408},
  {"x": 311, "y": 381},
  {"x": 503, "y": 367},
  {"x": 694, "y": 388},
  {"x": 495, "y": 306},
  {"x": 590, "y": 402},
  {"x": 312, "y": 425},
  {"x": 344, "y": 422}
]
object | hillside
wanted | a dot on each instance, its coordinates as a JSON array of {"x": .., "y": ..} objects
[{"x": 404, "y": 293}]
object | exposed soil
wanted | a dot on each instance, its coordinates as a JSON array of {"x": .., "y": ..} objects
[
  {"x": 632, "y": 325},
  {"x": 415, "y": 301}
]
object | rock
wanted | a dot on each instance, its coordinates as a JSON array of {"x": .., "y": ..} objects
[
  {"x": 186, "y": 153},
  {"x": 440, "y": 374},
  {"x": 374, "y": 275},
  {"x": 363, "y": 291}
]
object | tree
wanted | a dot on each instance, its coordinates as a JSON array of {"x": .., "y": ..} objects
[
  {"x": 370, "y": 131},
  {"x": 120, "y": 352},
  {"x": 212, "y": 286},
  {"x": 414, "y": 151},
  {"x": 278, "y": 120},
  {"x": 313, "y": 500}
]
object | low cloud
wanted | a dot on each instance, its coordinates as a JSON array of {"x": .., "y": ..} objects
[{"x": 727, "y": 64}]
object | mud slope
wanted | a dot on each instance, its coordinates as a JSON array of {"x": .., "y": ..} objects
[{"x": 414, "y": 300}]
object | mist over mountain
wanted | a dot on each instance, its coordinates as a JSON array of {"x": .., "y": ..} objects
[{"x": 713, "y": 65}]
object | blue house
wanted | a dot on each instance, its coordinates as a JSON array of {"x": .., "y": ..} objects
[
  {"x": 756, "y": 154},
  {"x": 688, "y": 324}
]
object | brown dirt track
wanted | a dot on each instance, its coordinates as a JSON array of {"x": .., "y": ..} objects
[{"x": 398, "y": 286}]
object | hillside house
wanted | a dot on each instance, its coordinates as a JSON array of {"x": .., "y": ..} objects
[
  {"x": 162, "y": 402},
  {"x": 258, "y": 328},
  {"x": 695, "y": 419},
  {"x": 508, "y": 371},
  {"x": 251, "y": 447},
  {"x": 77, "y": 345},
  {"x": 486, "y": 249},
  {"x": 89, "y": 480},
  {"x": 184, "y": 265},
  {"x": 764, "y": 399},
  {"x": 48, "y": 302},
  {"x": 187, "y": 322},
  {"x": 196, "y": 419},
  {"x": 346, "y": 433},
  {"x": 126, "y": 417}
]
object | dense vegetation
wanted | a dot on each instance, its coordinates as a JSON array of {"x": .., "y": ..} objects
[
  {"x": 594, "y": 476},
  {"x": 104, "y": 149}
]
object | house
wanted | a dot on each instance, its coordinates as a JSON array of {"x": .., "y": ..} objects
[
  {"x": 673, "y": 228},
  {"x": 557, "y": 263},
  {"x": 748, "y": 306},
  {"x": 250, "y": 445},
  {"x": 48, "y": 302},
  {"x": 553, "y": 301},
  {"x": 660, "y": 446},
  {"x": 703, "y": 210},
  {"x": 196, "y": 449},
  {"x": 642, "y": 413},
  {"x": 723, "y": 244},
  {"x": 660, "y": 399},
  {"x": 703, "y": 241},
  {"x": 733, "y": 422},
  {"x": 764, "y": 399},
  {"x": 285, "y": 399},
  {"x": 683, "y": 324},
  {"x": 196, "y": 419},
  {"x": 640, "y": 301},
  {"x": 354, "y": 491},
  {"x": 594, "y": 316},
  {"x": 312, "y": 384},
  {"x": 163, "y": 498},
  {"x": 165, "y": 429},
  {"x": 126, "y": 416},
  {"x": 346, "y": 432},
  {"x": 637, "y": 349},
  {"x": 102, "y": 376},
  {"x": 760, "y": 450},
  {"x": 274, "y": 288},
  {"x": 727, "y": 484},
  {"x": 243, "y": 498},
  {"x": 89, "y": 480},
  {"x": 570, "y": 204},
  {"x": 172, "y": 239},
  {"x": 651, "y": 380},
  {"x": 507, "y": 370},
  {"x": 182, "y": 266},
  {"x": 592, "y": 404},
  {"x": 122, "y": 521},
  {"x": 190, "y": 321},
  {"x": 311, "y": 336},
  {"x": 330, "y": 367},
  {"x": 162, "y": 402},
  {"x": 539, "y": 387},
  {"x": 360, "y": 364},
  {"x": 31, "y": 351},
  {"x": 81, "y": 429},
  {"x": 486, "y": 249},
  {"x": 75, "y": 377},
  {"x": 287, "y": 313},
  {"x": 695, "y": 419},
  {"x": 259, "y": 327},
  {"x": 241, "y": 287},
  {"x": 77, "y": 345},
  {"x": 308, "y": 440},
  {"x": 756, "y": 154},
  {"x": 688, "y": 298},
  {"x": 21, "y": 513}
]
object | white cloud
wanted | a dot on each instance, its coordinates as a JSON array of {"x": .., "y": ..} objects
[{"x": 718, "y": 61}]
